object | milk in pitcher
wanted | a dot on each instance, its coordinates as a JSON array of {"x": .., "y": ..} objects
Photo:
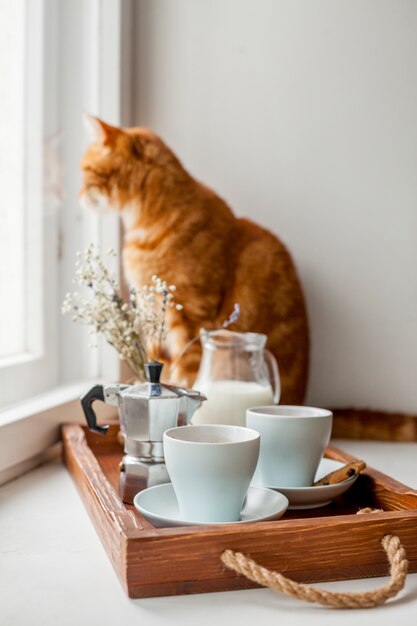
[{"x": 227, "y": 401}]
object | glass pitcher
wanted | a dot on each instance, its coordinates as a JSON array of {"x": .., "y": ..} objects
[{"x": 236, "y": 373}]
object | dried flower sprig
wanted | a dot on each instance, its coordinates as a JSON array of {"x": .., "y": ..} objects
[
  {"x": 233, "y": 317},
  {"x": 133, "y": 328}
]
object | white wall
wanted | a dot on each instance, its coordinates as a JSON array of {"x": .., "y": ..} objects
[{"x": 303, "y": 115}]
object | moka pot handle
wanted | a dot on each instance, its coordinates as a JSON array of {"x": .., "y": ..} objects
[{"x": 95, "y": 393}]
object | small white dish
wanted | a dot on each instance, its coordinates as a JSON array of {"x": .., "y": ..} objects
[
  {"x": 160, "y": 507},
  {"x": 315, "y": 497}
]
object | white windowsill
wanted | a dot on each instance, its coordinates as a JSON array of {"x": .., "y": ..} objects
[
  {"x": 44, "y": 402},
  {"x": 18, "y": 359},
  {"x": 30, "y": 429}
]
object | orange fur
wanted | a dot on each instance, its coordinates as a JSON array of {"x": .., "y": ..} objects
[{"x": 181, "y": 230}]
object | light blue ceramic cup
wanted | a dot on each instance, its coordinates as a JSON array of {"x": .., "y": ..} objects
[
  {"x": 293, "y": 439},
  {"x": 211, "y": 467}
]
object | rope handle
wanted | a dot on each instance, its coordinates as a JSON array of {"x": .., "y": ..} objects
[{"x": 398, "y": 572}]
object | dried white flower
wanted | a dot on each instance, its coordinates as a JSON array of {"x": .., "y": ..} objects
[{"x": 133, "y": 328}]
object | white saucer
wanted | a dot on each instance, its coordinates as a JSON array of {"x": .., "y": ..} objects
[
  {"x": 315, "y": 497},
  {"x": 160, "y": 507}
]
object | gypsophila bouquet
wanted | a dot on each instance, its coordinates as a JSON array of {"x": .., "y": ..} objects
[{"x": 135, "y": 328}]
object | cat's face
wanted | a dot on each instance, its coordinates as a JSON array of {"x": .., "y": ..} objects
[{"x": 116, "y": 163}]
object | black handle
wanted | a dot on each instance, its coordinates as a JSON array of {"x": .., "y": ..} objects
[{"x": 95, "y": 393}]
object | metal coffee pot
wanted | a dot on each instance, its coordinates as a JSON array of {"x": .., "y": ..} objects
[{"x": 146, "y": 411}]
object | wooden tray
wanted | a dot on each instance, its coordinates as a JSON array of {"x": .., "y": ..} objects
[{"x": 331, "y": 543}]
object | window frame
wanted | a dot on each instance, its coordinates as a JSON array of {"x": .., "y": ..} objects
[
  {"x": 35, "y": 368},
  {"x": 28, "y": 429}
]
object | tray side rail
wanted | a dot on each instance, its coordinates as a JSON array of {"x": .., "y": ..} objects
[
  {"x": 309, "y": 550},
  {"x": 109, "y": 515}
]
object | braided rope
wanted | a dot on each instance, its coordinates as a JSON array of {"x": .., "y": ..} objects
[{"x": 368, "y": 599}]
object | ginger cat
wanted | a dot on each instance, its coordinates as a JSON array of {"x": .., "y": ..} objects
[{"x": 181, "y": 230}]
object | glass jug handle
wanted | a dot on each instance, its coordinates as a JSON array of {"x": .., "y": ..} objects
[{"x": 273, "y": 371}]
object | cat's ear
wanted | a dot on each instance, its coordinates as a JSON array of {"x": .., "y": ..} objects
[{"x": 100, "y": 131}]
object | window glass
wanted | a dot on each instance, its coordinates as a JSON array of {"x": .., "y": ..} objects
[{"x": 12, "y": 177}]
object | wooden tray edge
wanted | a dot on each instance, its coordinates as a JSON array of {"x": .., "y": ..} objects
[{"x": 106, "y": 510}]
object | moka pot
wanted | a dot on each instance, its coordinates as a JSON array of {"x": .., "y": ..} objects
[{"x": 146, "y": 411}]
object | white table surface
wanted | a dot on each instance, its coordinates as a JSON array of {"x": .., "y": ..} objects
[{"x": 54, "y": 570}]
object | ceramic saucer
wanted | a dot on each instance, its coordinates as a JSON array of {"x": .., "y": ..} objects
[
  {"x": 160, "y": 507},
  {"x": 315, "y": 497}
]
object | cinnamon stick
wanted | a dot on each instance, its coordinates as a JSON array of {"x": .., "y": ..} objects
[{"x": 345, "y": 472}]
